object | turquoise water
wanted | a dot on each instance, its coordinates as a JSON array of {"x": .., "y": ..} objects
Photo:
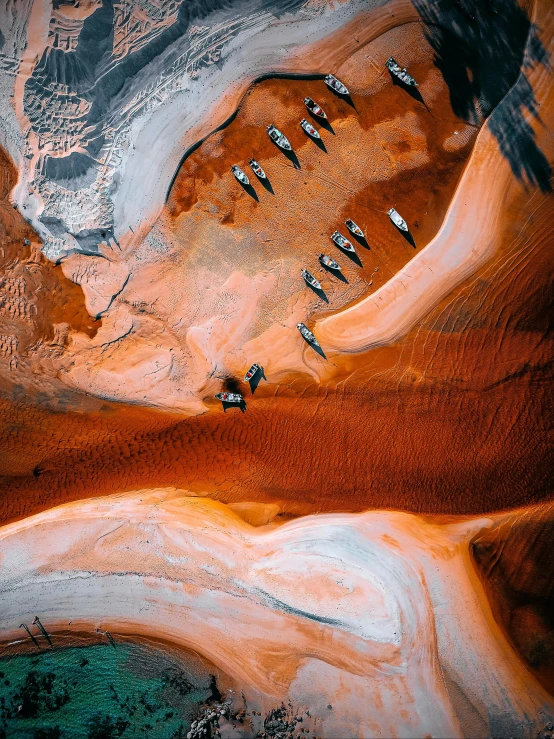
[{"x": 98, "y": 692}]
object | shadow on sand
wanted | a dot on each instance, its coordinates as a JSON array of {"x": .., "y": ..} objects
[
  {"x": 317, "y": 349},
  {"x": 290, "y": 155},
  {"x": 323, "y": 123},
  {"x": 242, "y": 406},
  {"x": 406, "y": 235},
  {"x": 250, "y": 190},
  {"x": 335, "y": 272},
  {"x": 319, "y": 292},
  {"x": 266, "y": 184},
  {"x": 361, "y": 240},
  {"x": 353, "y": 256},
  {"x": 255, "y": 381},
  {"x": 412, "y": 91},
  {"x": 346, "y": 98}
]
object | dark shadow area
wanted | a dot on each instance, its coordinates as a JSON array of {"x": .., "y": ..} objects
[
  {"x": 319, "y": 292},
  {"x": 481, "y": 54},
  {"x": 323, "y": 123},
  {"x": 320, "y": 144},
  {"x": 317, "y": 349},
  {"x": 353, "y": 256},
  {"x": 361, "y": 240},
  {"x": 242, "y": 406},
  {"x": 255, "y": 381},
  {"x": 406, "y": 235},
  {"x": 250, "y": 190},
  {"x": 266, "y": 184},
  {"x": 289, "y": 153},
  {"x": 346, "y": 98},
  {"x": 412, "y": 91},
  {"x": 335, "y": 272}
]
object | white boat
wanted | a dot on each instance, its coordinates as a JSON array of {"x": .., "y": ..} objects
[
  {"x": 258, "y": 171},
  {"x": 230, "y": 397},
  {"x": 401, "y": 73},
  {"x": 252, "y": 371},
  {"x": 336, "y": 85},
  {"x": 342, "y": 241},
  {"x": 307, "y": 334},
  {"x": 310, "y": 130},
  {"x": 397, "y": 219},
  {"x": 279, "y": 138},
  {"x": 310, "y": 279},
  {"x": 314, "y": 108},
  {"x": 328, "y": 262},
  {"x": 239, "y": 174},
  {"x": 353, "y": 228}
]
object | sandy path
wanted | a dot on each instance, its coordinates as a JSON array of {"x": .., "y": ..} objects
[
  {"x": 467, "y": 239},
  {"x": 332, "y": 609}
]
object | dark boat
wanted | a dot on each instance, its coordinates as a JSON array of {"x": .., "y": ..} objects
[
  {"x": 310, "y": 279},
  {"x": 328, "y": 262},
  {"x": 239, "y": 174},
  {"x": 258, "y": 171},
  {"x": 310, "y": 130},
  {"x": 401, "y": 73},
  {"x": 397, "y": 219},
  {"x": 353, "y": 228},
  {"x": 252, "y": 371},
  {"x": 314, "y": 108},
  {"x": 279, "y": 138},
  {"x": 230, "y": 397},
  {"x": 342, "y": 241},
  {"x": 307, "y": 334},
  {"x": 336, "y": 85}
]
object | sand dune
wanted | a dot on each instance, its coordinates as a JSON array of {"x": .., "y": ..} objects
[{"x": 369, "y": 612}]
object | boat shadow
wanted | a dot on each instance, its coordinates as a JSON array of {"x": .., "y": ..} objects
[
  {"x": 266, "y": 184},
  {"x": 241, "y": 405},
  {"x": 335, "y": 272},
  {"x": 410, "y": 89},
  {"x": 407, "y": 235},
  {"x": 320, "y": 144},
  {"x": 362, "y": 241},
  {"x": 316, "y": 348},
  {"x": 324, "y": 123},
  {"x": 250, "y": 190},
  {"x": 353, "y": 256},
  {"x": 289, "y": 153},
  {"x": 318, "y": 291},
  {"x": 346, "y": 98},
  {"x": 255, "y": 381}
]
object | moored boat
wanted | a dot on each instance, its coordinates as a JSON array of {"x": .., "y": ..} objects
[
  {"x": 397, "y": 219},
  {"x": 395, "y": 69},
  {"x": 353, "y": 228},
  {"x": 252, "y": 371},
  {"x": 342, "y": 241},
  {"x": 229, "y": 397},
  {"x": 310, "y": 279},
  {"x": 307, "y": 334},
  {"x": 328, "y": 262},
  {"x": 239, "y": 174},
  {"x": 336, "y": 85},
  {"x": 279, "y": 138},
  {"x": 310, "y": 130},
  {"x": 258, "y": 171},
  {"x": 314, "y": 108}
]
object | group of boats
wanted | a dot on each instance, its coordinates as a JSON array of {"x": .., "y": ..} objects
[{"x": 341, "y": 241}]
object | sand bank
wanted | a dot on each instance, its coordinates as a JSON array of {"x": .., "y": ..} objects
[{"x": 379, "y": 615}]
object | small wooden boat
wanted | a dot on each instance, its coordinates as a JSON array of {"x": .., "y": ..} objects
[
  {"x": 229, "y": 397},
  {"x": 400, "y": 72},
  {"x": 353, "y": 228},
  {"x": 336, "y": 85},
  {"x": 239, "y": 174},
  {"x": 310, "y": 279},
  {"x": 279, "y": 138},
  {"x": 252, "y": 371},
  {"x": 314, "y": 108},
  {"x": 307, "y": 334},
  {"x": 328, "y": 262},
  {"x": 397, "y": 219},
  {"x": 342, "y": 241},
  {"x": 258, "y": 171},
  {"x": 310, "y": 130}
]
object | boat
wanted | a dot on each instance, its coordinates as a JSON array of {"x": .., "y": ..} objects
[
  {"x": 252, "y": 371},
  {"x": 279, "y": 138},
  {"x": 310, "y": 130},
  {"x": 328, "y": 262},
  {"x": 230, "y": 397},
  {"x": 258, "y": 171},
  {"x": 310, "y": 279},
  {"x": 342, "y": 241},
  {"x": 239, "y": 174},
  {"x": 336, "y": 85},
  {"x": 314, "y": 108},
  {"x": 307, "y": 334},
  {"x": 395, "y": 69},
  {"x": 353, "y": 228},
  {"x": 397, "y": 219}
]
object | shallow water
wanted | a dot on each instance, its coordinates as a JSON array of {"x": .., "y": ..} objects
[{"x": 98, "y": 692}]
